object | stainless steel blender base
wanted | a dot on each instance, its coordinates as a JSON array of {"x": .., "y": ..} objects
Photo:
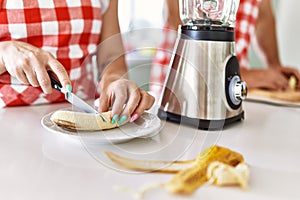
[
  {"x": 200, "y": 123},
  {"x": 202, "y": 88}
]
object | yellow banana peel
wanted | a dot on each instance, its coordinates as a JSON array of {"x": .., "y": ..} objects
[
  {"x": 215, "y": 165},
  {"x": 188, "y": 180}
]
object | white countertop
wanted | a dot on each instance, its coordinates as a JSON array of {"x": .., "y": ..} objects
[{"x": 37, "y": 164}]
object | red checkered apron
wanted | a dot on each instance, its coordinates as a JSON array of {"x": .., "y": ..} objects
[
  {"x": 245, "y": 25},
  {"x": 68, "y": 29}
]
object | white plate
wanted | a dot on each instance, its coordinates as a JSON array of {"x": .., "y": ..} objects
[{"x": 146, "y": 126}]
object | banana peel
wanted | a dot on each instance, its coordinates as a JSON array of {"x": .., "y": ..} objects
[
  {"x": 221, "y": 174},
  {"x": 149, "y": 165},
  {"x": 188, "y": 180},
  {"x": 215, "y": 165}
]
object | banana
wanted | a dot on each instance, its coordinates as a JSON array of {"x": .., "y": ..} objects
[
  {"x": 293, "y": 83},
  {"x": 79, "y": 121}
]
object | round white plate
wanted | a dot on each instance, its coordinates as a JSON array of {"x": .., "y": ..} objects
[{"x": 146, "y": 126}]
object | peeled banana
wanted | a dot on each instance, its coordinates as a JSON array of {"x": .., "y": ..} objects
[
  {"x": 79, "y": 121},
  {"x": 293, "y": 83}
]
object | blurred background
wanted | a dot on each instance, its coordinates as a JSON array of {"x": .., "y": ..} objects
[
  {"x": 141, "y": 22},
  {"x": 287, "y": 32}
]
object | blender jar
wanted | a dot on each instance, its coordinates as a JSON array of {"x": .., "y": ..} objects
[{"x": 208, "y": 12}]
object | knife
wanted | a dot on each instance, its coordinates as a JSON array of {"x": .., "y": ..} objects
[{"x": 74, "y": 99}]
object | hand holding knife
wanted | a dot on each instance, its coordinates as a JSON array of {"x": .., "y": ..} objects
[{"x": 72, "y": 98}]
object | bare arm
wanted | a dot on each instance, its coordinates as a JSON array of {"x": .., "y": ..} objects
[
  {"x": 111, "y": 51},
  {"x": 276, "y": 76},
  {"x": 2, "y": 67},
  {"x": 127, "y": 100},
  {"x": 172, "y": 14},
  {"x": 266, "y": 34}
]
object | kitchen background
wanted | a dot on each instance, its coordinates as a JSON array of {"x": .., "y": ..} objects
[{"x": 137, "y": 16}]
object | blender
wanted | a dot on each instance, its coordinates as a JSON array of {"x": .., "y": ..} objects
[{"x": 203, "y": 87}]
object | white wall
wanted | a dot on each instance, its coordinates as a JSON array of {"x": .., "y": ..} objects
[
  {"x": 137, "y": 14},
  {"x": 136, "y": 18},
  {"x": 287, "y": 13},
  {"x": 288, "y": 29}
]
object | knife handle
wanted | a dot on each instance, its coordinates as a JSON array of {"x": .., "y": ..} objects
[{"x": 54, "y": 82}]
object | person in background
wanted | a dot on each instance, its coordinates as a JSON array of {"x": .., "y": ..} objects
[
  {"x": 38, "y": 36},
  {"x": 275, "y": 76},
  {"x": 255, "y": 21}
]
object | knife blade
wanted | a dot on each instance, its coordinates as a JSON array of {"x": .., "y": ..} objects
[{"x": 73, "y": 98}]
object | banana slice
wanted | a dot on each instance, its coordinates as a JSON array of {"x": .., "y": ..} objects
[{"x": 79, "y": 121}]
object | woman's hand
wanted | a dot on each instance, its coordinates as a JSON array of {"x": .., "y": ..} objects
[
  {"x": 127, "y": 100},
  {"x": 276, "y": 78},
  {"x": 29, "y": 65},
  {"x": 123, "y": 96},
  {"x": 290, "y": 71}
]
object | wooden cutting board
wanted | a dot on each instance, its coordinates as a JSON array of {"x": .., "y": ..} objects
[
  {"x": 288, "y": 96},
  {"x": 287, "y": 99}
]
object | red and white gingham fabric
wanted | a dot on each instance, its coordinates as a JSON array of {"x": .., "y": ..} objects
[
  {"x": 245, "y": 26},
  {"x": 68, "y": 29}
]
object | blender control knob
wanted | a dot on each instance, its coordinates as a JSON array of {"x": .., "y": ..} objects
[
  {"x": 240, "y": 90},
  {"x": 237, "y": 90}
]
